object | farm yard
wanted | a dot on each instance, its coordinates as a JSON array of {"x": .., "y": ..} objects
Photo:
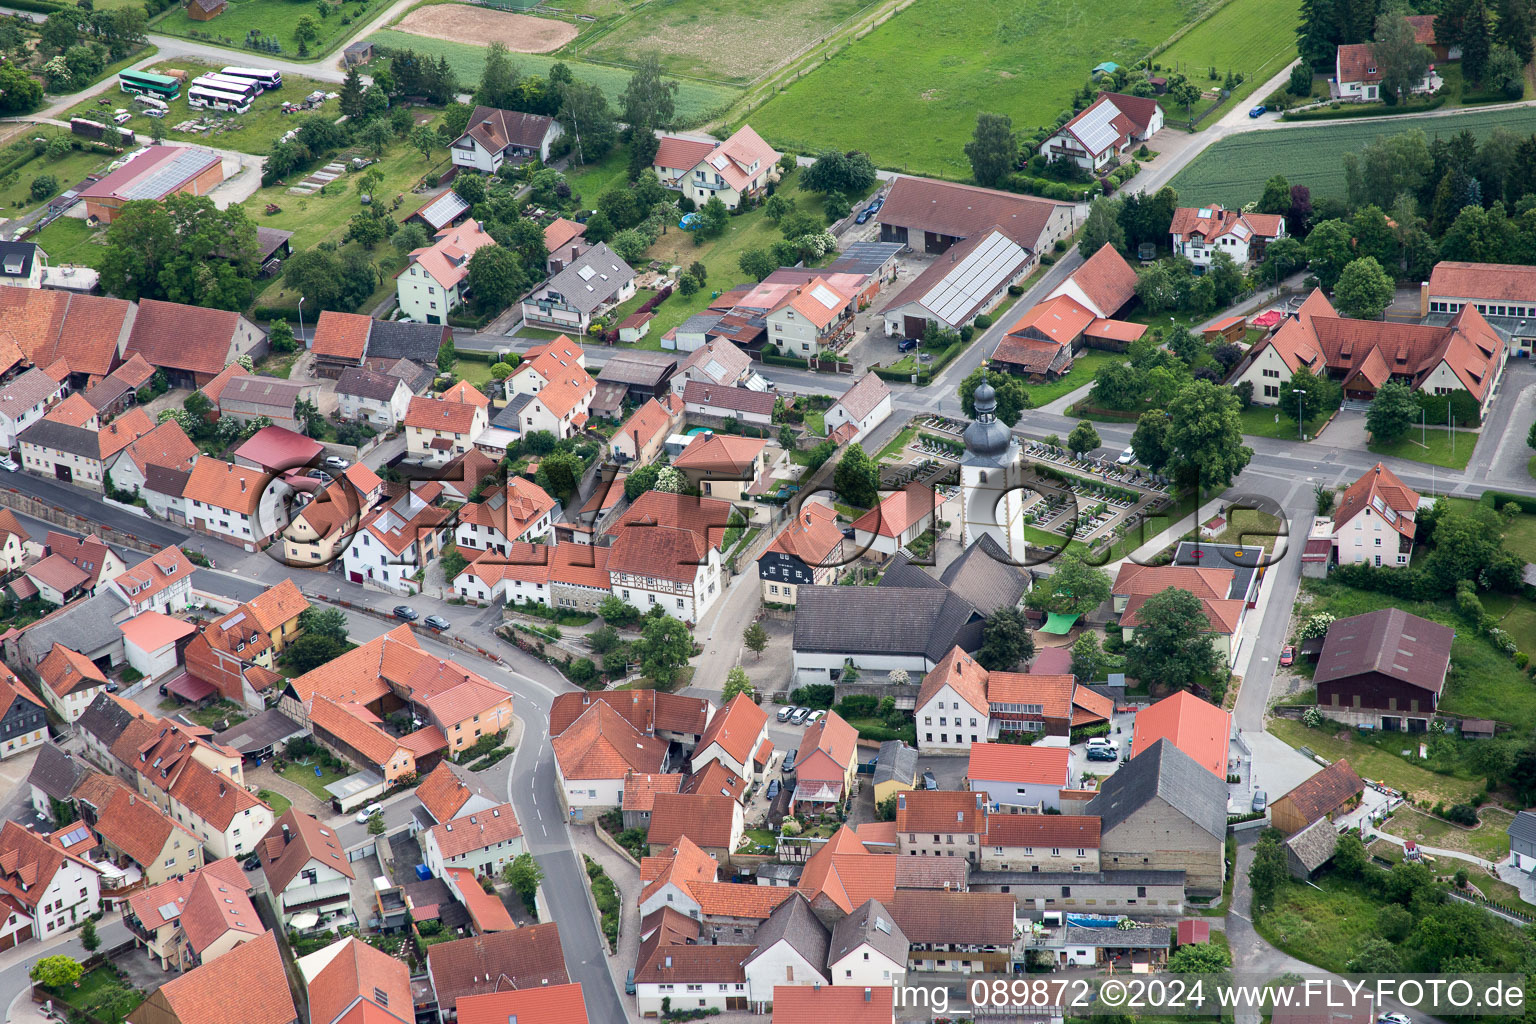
[
  {"x": 731, "y": 41},
  {"x": 908, "y": 92},
  {"x": 480, "y": 26},
  {"x": 1233, "y": 171},
  {"x": 696, "y": 101},
  {"x": 252, "y": 132},
  {"x": 1253, "y": 37}
]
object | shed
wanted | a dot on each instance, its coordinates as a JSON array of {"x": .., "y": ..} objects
[
  {"x": 1477, "y": 728},
  {"x": 1333, "y": 790},
  {"x": 357, "y": 53},
  {"x": 635, "y": 326},
  {"x": 1194, "y": 932},
  {"x": 1311, "y": 848},
  {"x": 1231, "y": 328}
]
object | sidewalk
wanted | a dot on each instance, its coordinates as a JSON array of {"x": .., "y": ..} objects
[{"x": 627, "y": 879}]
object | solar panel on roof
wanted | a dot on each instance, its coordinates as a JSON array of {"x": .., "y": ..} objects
[
  {"x": 1096, "y": 130},
  {"x": 74, "y": 836},
  {"x": 824, "y": 296},
  {"x": 168, "y": 911},
  {"x": 167, "y": 176}
]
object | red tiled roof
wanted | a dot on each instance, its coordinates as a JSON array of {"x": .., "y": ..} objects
[
  {"x": 647, "y": 710},
  {"x": 1488, "y": 282},
  {"x": 640, "y": 789},
  {"x": 1106, "y": 279},
  {"x": 247, "y": 985},
  {"x": 721, "y": 454},
  {"x": 436, "y": 414},
  {"x": 552, "y": 1004},
  {"x": 64, "y": 671},
  {"x": 1221, "y": 616},
  {"x": 358, "y": 971},
  {"x": 307, "y": 839},
  {"x": 224, "y": 485},
  {"x": 1357, "y": 63},
  {"x": 215, "y": 907},
  {"x": 1049, "y": 830},
  {"x": 705, "y": 818},
  {"x": 190, "y": 338},
  {"x": 1326, "y": 792},
  {"x": 1147, "y": 580},
  {"x": 736, "y": 727},
  {"x": 941, "y": 811},
  {"x": 963, "y": 674},
  {"x": 602, "y": 745},
  {"x": 813, "y": 536},
  {"x": 843, "y": 874},
  {"x": 1198, "y": 728},
  {"x": 166, "y": 445},
  {"x": 846, "y": 1004},
  {"x": 341, "y": 335},
  {"x": 1211, "y": 222},
  {"x": 1020, "y": 764},
  {"x": 959, "y": 211},
  {"x": 898, "y": 512},
  {"x": 1380, "y": 489},
  {"x": 477, "y": 831}
]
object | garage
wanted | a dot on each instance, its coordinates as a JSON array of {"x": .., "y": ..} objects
[
  {"x": 22, "y": 934},
  {"x": 914, "y": 326}
]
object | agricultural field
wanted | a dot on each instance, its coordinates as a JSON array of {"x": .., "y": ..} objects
[
  {"x": 729, "y": 41},
  {"x": 273, "y": 19},
  {"x": 909, "y": 91},
  {"x": 252, "y": 132},
  {"x": 696, "y": 101},
  {"x": 1233, "y": 171},
  {"x": 481, "y": 26},
  {"x": 1254, "y": 37}
]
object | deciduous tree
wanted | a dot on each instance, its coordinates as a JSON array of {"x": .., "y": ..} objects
[
  {"x": 1073, "y": 588},
  {"x": 1150, "y": 440},
  {"x": 755, "y": 638},
  {"x": 1101, "y": 227},
  {"x": 1205, "y": 435},
  {"x": 1012, "y": 395},
  {"x": 649, "y": 100},
  {"x": 1172, "y": 645},
  {"x": 664, "y": 647},
  {"x": 993, "y": 150},
  {"x": 1364, "y": 290},
  {"x": 1392, "y": 411},
  {"x": 857, "y": 478},
  {"x": 1402, "y": 60},
  {"x": 1083, "y": 438},
  {"x": 1005, "y": 640}
]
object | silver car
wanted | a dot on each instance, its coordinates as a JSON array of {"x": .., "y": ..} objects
[
  {"x": 800, "y": 715},
  {"x": 785, "y": 713}
]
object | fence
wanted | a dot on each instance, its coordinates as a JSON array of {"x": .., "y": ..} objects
[{"x": 53, "y": 514}]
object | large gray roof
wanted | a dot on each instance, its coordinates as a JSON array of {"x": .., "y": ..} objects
[
  {"x": 897, "y": 762},
  {"x": 1390, "y": 641},
  {"x": 56, "y": 771},
  {"x": 1523, "y": 827},
  {"x": 1156, "y": 937},
  {"x": 396, "y": 339},
  {"x": 1163, "y": 770},
  {"x": 870, "y": 922},
  {"x": 63, "y": 437},
  {"x": 984, "y": 576},
  {"x": 592, "y": 279},
  {"x": 797, "y": 924},
  {"x": 105, "y": 719},
  {"x": 1133, "y": 876},
  {"x": 82, "y": 626},
  {"x": 1313, "y": 845},
  {"x": 883, "y": 620},
  {"x": 268, "y": 728}
]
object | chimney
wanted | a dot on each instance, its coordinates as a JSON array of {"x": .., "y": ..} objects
[
  {"x": 242, "y": 485},
  {"x": 287, "y": 835},
  {"x": 575, "y": 251},
  {"x": 222, "y": 790}
]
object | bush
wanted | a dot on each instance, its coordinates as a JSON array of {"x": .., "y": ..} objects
[
  {"x": 982, "y": 321},
  {"x": 818, "y": 696},
  {"x": 1462, "y": 814}
]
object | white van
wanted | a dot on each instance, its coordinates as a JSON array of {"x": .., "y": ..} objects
[
  {"x": 368, "y": 812},
  {"x": 1101, "y": 741}
]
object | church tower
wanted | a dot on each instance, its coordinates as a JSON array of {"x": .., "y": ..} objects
[{"x": 991, "y": 478}]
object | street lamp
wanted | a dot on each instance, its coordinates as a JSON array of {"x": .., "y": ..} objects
[
  {"x": 1301, "y": 416},
  {"x": 301, "y": 321}
]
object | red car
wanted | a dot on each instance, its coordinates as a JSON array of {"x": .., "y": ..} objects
[{"x": 1287, "y": 656}]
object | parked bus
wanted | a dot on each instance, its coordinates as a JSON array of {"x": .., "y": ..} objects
[
  {"x": 234, "y": 85},
  {"x": 264, "y": 80},
  {"x": 151, "y": 103},
  {"x": 202, "y": 96},
  {"x": 144, "y": 84}
]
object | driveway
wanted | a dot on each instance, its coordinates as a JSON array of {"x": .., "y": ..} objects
[{"x": 1277, "y": 768}]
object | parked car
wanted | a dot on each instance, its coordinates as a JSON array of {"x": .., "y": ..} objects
[
  {"x": 165, "y": 690},
  {"x": 1394, "y": 1018},
  {"x": 815, "y": 717},
  {"x": 252, "y": 864},
  {"x": 1260, "y": 800},
  {"x": 629, "y": 982},
  {"x": 864, "y": 215},
  {"x": 929, "y": 781},
  {"x": 368, "y": 812},
  {"x": 1127, "y": 457},
  {"x": 1102, "y": 754},
  {"x": 406, "y": 612},
  {"x": 112, "y": 687},
  {"x": 8, "y": 464},
  {"x": 773, "y": 789},
  {"x": 1100, "y": 741},
  {"x": 1287, "y": 656},
  {"x": 1257, "y": 111},
  {"x": 784, "y": 713},
  {"x": 906, "y": 345},
  {"x": 336, "y": 462},
  {"x": 800, "y": 715},
  {"x": 789, "y": 761},
  {"x": 436, "y": 622}
]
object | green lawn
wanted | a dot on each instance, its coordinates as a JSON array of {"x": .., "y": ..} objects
[
  {"x": 252, "y": 132},
  {"x": 749, "y": 230},
  {"x": 1322, "y": 924},
  {"x": 909, "y": 91},
  {"x": 1080, "y": 375},
  {"x": 1268, "y": 421},
  {"x": 730, "y": 41},
  {"x": 1372, "y": 762},
  {"x": 304, "y": 775},
  {"x": 592, "y": 180},
  {"x": 274, "y": 800},
  {"x": 696, "y": 101},
  {"x": 1233, "y": 171},
  {"x": 1482, "y": 683},
  {"x": 1253, "y": 37},
  {"x": 1438, "y": 451},
  {"x": 275, "y": 18},
  {"x": 70, "y": 240},
  {"x": 1488, "y": 841},
  {"x": 101, "y": 994},
  {"x": 67, "y": 170},
  {"x": 1251, "y": 527},
  {"x": 211, "y": 715},
  {"x": 898, "y": 444}
]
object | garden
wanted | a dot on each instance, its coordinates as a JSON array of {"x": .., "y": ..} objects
[
  {"x": 1434, "y": 445},
  {"x": 306, "y": 763},
  {"x": 32, "y": 172},
  {"x": 103, "y": 992}
]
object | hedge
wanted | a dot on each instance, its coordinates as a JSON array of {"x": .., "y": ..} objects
[
  {"x": 469, "y": 323},
  {"x": 1497, "y": 500},
  {"x": 1046, "y": 188},
  {"x": 896, "y": 375},
  {"x": 1345, "y": 110},
  {"x": 773, "y": 360},
  {"x": 269, "y": 313},
  {"x": 41, "y": 6},
  {"x": 476, "y": 356}
]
